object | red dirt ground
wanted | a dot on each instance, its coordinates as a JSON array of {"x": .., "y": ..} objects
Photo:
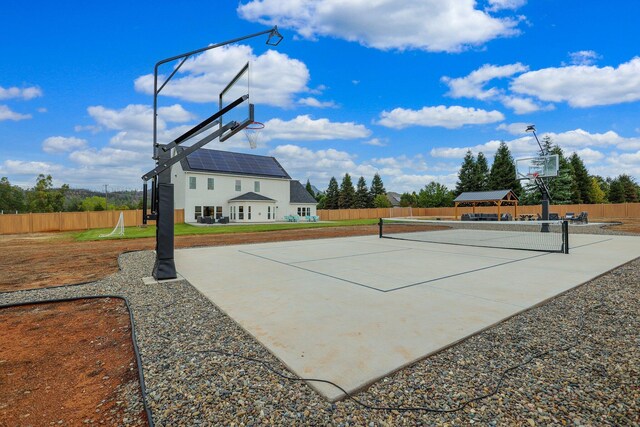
[{"x": 55, "y": 369}]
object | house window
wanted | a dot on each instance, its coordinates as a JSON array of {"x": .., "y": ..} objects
[
  {"x": 300, "y": 211},
  {"x": 256, "y": 186},
  {"x": 210, "y": 183},
  {"x": 198, "y": 212},
  {"x": 268, "y": 212},
  {"x": 308, "y": 212},
  {"x": 232, "y": 212},
  {"x": 238, "y": 185},
  {"x": 218, "y": 212},
  {"x": 192, "y": 183},
  {"x": 249, "y": 213},
  {"x": 241, "y": 212},
  {"x": 208, "y": 210}
]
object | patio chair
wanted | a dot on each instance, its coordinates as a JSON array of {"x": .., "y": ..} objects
[{"x": 583, "y": 218}]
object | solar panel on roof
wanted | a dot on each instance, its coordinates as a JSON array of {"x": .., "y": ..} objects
[{"x": 238, "y": 163}]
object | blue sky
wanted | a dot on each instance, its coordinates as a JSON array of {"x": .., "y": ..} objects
[{"x": 356, "y": 86}]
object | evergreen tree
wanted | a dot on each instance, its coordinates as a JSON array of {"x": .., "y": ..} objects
[
  {"x": 363, "y": 197},
  {"x": 381, "y": 201},
  {"x": 377, "y": 187},
  {"x": 482, "y": 173},
  {"x": 629, "y": 187},
  {"x": 582, "y": 179},
  {"x": 467, "y": 174},
  {"x": 310, "y": 189},
  {"x": 616, "y": 191},
  {"x": 332, "y": 195},
  {"x": 503, "y": 171},
  {"x": 347, "y": 194},
  {"x": 11, "y": 197},
  {"x": 563, "y": 186}
]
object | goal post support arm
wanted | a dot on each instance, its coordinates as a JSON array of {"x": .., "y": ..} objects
[{"x": 163, "y": 166}]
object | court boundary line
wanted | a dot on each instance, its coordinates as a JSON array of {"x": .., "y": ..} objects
[{"x": 424, "y": 282}]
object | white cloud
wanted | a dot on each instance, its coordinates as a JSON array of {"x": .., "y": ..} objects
[
  {"x": 431, "y": 25},
  {"x": 313, "y": 102},
  {"x": 522, "y": 105},
  {"x": 59, "y": 144},
  {"x": 519, "y": 147},
  {"x": 106, "y": 156},
  {"x": 590, "y": 156},
  {"x": 25, "y": 93},
  {"x": 518, "y": 128},
  {"x": 472, "y": 85},
  {"x": 581, "y": 85},
  {"x": 138, "y": 117},
  {"x": 275, "y": 79},
  {"x": 7, "y": 114},
  {"x": 580, "y": 138},
  {"x": 398, "y": 174},
  {"x": 449, "y": 117},
  {"x": 615, "y": 164},
  {"x": 495, "y": 5},
  {"x": 415, "y": 182},
  {"x": 376, "y": 142},
  {"x": 583, "y": 57},
  {"x": 24, "y": 168},
  {"x": 88, "y": 128},
  {"x": 305, "y": 128}
]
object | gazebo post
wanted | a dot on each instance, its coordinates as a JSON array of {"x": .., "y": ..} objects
[{"x": 499, "y": 204}]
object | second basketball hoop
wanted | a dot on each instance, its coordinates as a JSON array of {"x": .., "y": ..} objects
[{"x": 252, "y": 132}]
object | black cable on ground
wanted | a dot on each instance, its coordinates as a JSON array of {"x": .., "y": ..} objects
[
  {"x": 269, "y": 366},
  {"x": 136, "y": 351}
]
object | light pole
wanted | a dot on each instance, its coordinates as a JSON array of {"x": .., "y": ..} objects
[{"x": 162, "y": 207}]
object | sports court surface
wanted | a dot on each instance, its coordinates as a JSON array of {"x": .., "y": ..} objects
[{"x": 352, "y": 310}]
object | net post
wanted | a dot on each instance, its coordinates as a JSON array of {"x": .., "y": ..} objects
[
  {"x": 565, "y": 236},
  {"x": 380, "y": 228}
]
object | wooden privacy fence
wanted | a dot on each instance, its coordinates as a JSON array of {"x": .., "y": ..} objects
[
  {"x": 69, "y": 221},
  {"x": 619, "y": 210}
]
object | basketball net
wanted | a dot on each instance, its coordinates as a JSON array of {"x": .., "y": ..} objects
[{"x": 252, "y": 132}]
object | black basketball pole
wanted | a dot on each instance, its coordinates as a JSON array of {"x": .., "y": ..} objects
[
  {"x": 162, "y": 204},
  {"x": 541, "y": 185}
]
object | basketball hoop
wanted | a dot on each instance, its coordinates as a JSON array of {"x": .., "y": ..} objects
[{"x": 252, "y": 131}]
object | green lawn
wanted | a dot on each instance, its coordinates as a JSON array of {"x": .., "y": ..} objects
[{"x": 186, "y": 229}]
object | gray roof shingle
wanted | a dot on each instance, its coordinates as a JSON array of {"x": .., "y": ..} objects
[
  {"x": 478, "y": 196},
  {"x": 251, "y": 197},
  {"x": 299, "y": 194}
]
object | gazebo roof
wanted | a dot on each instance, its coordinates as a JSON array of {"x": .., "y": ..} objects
[{"x": 486, "y": 196}]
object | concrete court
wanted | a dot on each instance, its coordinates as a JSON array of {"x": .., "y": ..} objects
[{"x": 351, "y": 310}]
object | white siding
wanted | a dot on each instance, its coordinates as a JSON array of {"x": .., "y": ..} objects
[{"x": 273, "y": 188}]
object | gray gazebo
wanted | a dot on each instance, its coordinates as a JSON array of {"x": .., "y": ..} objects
[{"x": 497, "y": 198}]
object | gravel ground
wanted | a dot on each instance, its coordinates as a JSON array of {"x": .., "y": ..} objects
[{"x": 587, "y": 372}]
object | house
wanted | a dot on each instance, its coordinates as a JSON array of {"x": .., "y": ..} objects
[
  {"x": 394, "y": 198},
  {"x": 241, "y": 187}
]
